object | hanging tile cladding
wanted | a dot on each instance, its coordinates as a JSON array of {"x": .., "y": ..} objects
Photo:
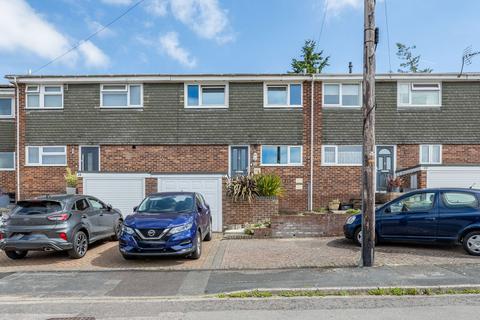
[
  {"x": 456, "y": 122},
  {"x": 164, "y": 120},
  {"x": 7, "y": 135}
]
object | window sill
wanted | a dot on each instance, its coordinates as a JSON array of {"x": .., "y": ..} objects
[
  {"x": 206, "y": 107},
  {"x": 340, "y": 165},
  {"x": 342, "y": 107},
  {"x": 122, "y": 107},
  {"x": 283, "y": 107},
  {"x": 7, "y": 170},
  {"x": 281, "y": 165},
  {"x": 6, "y": 118},
  {"x": 45, "y": 165},
  {"x": 40, "y": 109},
  {"x": 419, "y": 108}
]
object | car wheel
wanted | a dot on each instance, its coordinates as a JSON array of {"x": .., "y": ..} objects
[
  {"x": 208, "y": 236},
  {"x": 16, "y": 254},
  {"x": 198, "y": 247},
  {"x": 357, "y": 237},
  {"x": 80, "y": 245},
  {"x": 117, "y": 229},
  {"x": 471, "y": 243}
]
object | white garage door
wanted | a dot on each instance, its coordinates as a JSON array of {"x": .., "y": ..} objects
[
  {"x": 210, "y": 186},
  {"x": 122, "y": 191},
  {"x": 453, "y": 177}
]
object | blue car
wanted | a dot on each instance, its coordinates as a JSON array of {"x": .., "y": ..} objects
[
  {"x": 168, "y": 223},
  {"x": 427, "y": 215}
]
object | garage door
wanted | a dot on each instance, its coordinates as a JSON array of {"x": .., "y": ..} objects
[
  {"x": 453, "y": 177},
  {"x": 210, "y": 186},
  {"x": 122, "y": 191}
]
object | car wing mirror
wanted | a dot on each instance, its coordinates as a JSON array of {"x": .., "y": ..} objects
[
  {"x": 135, "y": 208},
  {"x": 387, "y": 210},
  {"x": 109, "y": 207}
]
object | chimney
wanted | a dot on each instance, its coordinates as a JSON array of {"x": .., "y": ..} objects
[{"x": 350, "y": 67}]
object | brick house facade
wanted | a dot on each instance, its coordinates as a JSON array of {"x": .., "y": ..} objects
[{"x": 164, "y": 137}]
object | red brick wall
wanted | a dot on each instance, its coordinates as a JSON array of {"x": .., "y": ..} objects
[
  {"x": 7, "y": 181},
  {"x": 242, "y": 212},
  {"x": 407, "y": 156},
  {"x": 460, "y": 154},
  {"x": 315, "y": 225},
  {"x": 151, "y": 185}
]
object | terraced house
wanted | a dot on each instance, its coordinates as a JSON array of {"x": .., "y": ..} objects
[{"x": 130, "y": 135}]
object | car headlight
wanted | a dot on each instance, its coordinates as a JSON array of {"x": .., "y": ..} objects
[
  {"x": 127, "y": 230},
  {"x": 181, "y": 228},
  {"x": 351, "y": 220}
]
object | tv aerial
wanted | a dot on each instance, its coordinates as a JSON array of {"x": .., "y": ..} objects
[{"x": 467, "y": 58}]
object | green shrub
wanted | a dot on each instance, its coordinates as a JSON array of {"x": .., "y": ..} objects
[
  {"x": 353, "y": 211},
  {"x": 242, "y": 188},
  {"x": 71, "y": 178},
  {"x": 269, "y": 185}
]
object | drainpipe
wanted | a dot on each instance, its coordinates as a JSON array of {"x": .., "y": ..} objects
[
  {"x": 312, "y": 132},
  {"x": 17, "y": 126}
]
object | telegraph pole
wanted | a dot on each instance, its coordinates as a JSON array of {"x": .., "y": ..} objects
[{"x": 368, "y": 112}]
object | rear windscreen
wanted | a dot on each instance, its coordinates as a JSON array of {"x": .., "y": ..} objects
[{"x": 37, "y": 207}]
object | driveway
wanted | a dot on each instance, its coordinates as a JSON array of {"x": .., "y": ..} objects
[{"x": 245, "y": 254}]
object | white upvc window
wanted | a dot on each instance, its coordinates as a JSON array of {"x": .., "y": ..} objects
[
  {"x": 345, "y": 95},
  {"x": 7, "y": 161},
  {"x": 273, "y": 155},
  {"x": 333, "y": 155},
  {"x": 7, "y": 109},
  {"x": 44, "y": 97},
  {"x": 206, "y": 95},
  {"x": 121, "y": 96},
  {"x": 430, "y": 154},
  {"x": 419, "y": 94},
  {"x": 46, "y": 156},
  {"x": 282, "y": 95}
]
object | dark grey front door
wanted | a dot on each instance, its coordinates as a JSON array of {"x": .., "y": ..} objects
[
  {"x": 239, "y": 161},
  {"x": 385, "y": 158},
  {"x": 90, "y": 159}
]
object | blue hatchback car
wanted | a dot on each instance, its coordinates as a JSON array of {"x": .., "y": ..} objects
[
  {"x": 169, "y": 223},
  {"x": 427, "y": 215}
]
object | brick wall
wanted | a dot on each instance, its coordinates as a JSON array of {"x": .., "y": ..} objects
[
  {"x": 151, "y": 185},
  {"x": 241, "y": 212},
  {"x": 7, "y": 181},
  {"x": 315, "y": 225}
]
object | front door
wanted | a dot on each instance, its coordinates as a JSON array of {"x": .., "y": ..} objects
[
  {"x": 238, "y": 161},
  {"x": 90, "y": 160},
  {"x": 385, "y": 168}
]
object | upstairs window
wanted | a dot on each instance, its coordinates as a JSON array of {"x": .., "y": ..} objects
[
  {"x": 6, "y": 108},
  {"x": 281, "y": 155},
  {"x": 121, "y": 95},
  {"x": 342, "y": 155},
  {"x": 7, "y": 161},
  {"x": 283, "y": 95},
  {"x": 206, "y": 96},
  {"x": 430, "y": 154},
  {"x": 412, "y": 94},
  {"x": 341, "y": 95},
  {"x": 44, "y": 97},
  {"x": 47, "y": 156}
]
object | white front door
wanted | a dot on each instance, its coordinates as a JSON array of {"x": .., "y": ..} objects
[
  {"x": 122, "y": 191},
  {"x": 210, "y": 186}
]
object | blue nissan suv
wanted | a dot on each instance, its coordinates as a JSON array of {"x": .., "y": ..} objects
[
  {"x": 428, "y": 215},
  {"x": 168, "y": 223}
]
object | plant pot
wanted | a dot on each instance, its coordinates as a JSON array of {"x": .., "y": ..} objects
[
  {"x": 71, "y": 190},
  {"x": 334, "y": 205}
]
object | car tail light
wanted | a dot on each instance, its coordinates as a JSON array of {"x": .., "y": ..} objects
[
  {"x": 1, "y": 236},
  {"x": 59, "y": 217},
  {"x": 63, "y": 236}
]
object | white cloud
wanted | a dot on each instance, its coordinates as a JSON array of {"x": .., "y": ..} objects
[
  {"x": 335, "y": 6},
  {"x": 95, "y": 26},
  {"x": 157, "y": 7},
  {"x": 170, "y": 44},
  {"x": 118, "y": 2},
  {"x": 94, "y": 57},
  {"x": 30, "y": 32},
  {"x": 204, "y": 17}
]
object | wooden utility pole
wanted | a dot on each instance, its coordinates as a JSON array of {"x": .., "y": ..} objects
[{"x": 368, "y": 111}]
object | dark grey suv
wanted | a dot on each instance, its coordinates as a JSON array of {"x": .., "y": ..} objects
[{"x": 57, "y": 223}]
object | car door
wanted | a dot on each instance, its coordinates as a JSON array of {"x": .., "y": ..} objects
[
  {"x": 411, "y": 217},
  {"x": 202, "y": 211},
  {"x": 457, "y": 210},
  {"x": 105, "y": 218},
  {"x": 88, "y": 216}
]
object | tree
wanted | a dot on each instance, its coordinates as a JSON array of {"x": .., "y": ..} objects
[
  {"x": 410, "y": 62},
  {"x": 311, "y": 60}
]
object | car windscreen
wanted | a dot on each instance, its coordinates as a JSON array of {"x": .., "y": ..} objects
[
  {"x": 176, "y": 203},
  {"x": 37, "y": 207}
]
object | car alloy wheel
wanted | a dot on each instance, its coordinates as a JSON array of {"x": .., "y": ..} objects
[
  {"x": 473, "y": 243},
  {"x": 198, "y": 249},
  {"x": 81, "y": 244}
]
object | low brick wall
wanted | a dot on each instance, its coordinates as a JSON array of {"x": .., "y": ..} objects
[
  {"x": 315, "y": 225},
  {"x": 241, "y": 212}
]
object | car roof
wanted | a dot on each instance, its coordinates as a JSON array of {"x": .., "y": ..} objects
[
  {"x": 447, "y": 189},
  {"x": 172, "y": 193},
  {"x": 58, "y": 197}
]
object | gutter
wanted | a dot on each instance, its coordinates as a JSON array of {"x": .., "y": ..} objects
[
  {"x": 17, "y": 126},
  {"x": 312, "y": 131}
]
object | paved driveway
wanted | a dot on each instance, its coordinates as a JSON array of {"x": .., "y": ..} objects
[{"x": 245, "y": 254}]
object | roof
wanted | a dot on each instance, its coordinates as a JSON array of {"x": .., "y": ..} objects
[{"x": 91, "y": 78}]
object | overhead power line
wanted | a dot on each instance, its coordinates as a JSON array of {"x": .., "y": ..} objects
[
  {"x": 136, "y": 4},
  {"x": 388, "y": 37},
  {"x": 325, "y": 9}
]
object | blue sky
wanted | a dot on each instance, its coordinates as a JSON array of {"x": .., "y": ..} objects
[{"x": 223, "y": 36}]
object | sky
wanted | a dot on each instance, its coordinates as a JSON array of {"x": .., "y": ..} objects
[{"x": 226, "y": 36}]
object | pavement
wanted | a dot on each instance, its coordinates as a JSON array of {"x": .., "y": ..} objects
[{"x": 245, "y": 254}]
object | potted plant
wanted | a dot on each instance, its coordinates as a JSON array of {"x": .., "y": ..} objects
[
  {"x": 394, "y": 184},
  {"x": 71, "y": 180},
  {"x": 334, "y": 205},
  {"x": 269, "y": 185},
  {"x": 242, "y": 188}
]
